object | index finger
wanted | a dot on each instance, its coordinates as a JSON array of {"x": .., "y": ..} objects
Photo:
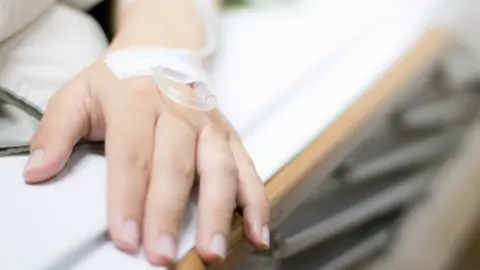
[{"x": 128, "y": 145}]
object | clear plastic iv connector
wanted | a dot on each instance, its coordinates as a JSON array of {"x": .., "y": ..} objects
[
  {"x": 198, "y": 96},
  {"x": 170, "y": 67}
]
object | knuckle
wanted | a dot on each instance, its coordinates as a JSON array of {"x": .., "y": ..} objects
[
  {"x": 257, "y": 194},
  {"x": 164, "y": 215},
  {"x": 258, "y": 190},
  {"x": 185, "y": 131},
  {"x": 223, "y": 210},
  {"x": 141, "y": 91},
  {"x": 219, "y": 156},
  {"x": 225, "y": 167},
  {"x": 249, "y": 175},
  {"x": 137, "y": 160},
  {"x": 230, "y": 169},
  {"x": 184, "y": 168},
  {"x": 251, "y": 166},
  {"x": 264, "y": 199},
  {"x": 140, "y": 97},
  {"x": 38, "y": 138},
  {"x": 143, "y": 87},
  {"x": 212, "y": 133},
  {"x": 261, "y": 192}
]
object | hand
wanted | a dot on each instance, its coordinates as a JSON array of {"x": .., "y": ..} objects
[{"x": 154, "y": 149}]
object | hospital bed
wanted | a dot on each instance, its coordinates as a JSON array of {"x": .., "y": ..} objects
[{"x": 322, "y": 75}]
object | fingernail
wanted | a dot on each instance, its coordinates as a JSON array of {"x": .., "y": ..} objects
[
  {"x": 131, "y": 232},
  {"x": 35, "y": 159},
  {"x": 256, "y": 229},
  {"x": 166, "y": 246},
  {"x": 266, "y": 236},
  {"x": 218, "y": 245}
]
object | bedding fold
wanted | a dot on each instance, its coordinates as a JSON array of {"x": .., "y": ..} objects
[{"x": 36, "y": 62}]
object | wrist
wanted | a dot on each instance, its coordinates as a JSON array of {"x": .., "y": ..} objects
[
  {"x": 157, "y": 23},
  {"x": 132, "y": 39}
]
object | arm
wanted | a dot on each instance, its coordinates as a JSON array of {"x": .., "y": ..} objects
[{"x": 178, "y": 24}]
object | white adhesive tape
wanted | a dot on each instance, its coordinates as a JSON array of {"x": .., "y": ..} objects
[
  {"x": 166, "y": 66},
  {"x": 173, "y": 65}
]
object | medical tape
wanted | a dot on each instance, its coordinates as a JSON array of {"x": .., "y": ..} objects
[{"x": 169, "y": 67}]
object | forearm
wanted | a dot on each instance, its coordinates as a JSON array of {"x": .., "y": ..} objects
[{"x": 158, "y": 23}]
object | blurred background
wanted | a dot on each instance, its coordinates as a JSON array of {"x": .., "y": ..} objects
[{"x": 408, "y": 196}]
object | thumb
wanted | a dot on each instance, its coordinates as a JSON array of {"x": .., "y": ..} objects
[{"x": 64, "y": 123}]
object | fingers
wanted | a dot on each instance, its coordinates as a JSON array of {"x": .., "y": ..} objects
[
  {"x": 252, "y": 198},
  {"x": 172, "y": 178},
  {"x": 128, "y": 144},
  {"x": 218, "y": 187},
  {"x": 63, "y": 124}
]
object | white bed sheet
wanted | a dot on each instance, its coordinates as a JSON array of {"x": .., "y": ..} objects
[{"x": 42, "y": 225}]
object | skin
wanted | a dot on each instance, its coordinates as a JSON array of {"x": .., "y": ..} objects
[{"x": 154, "y": 147}]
